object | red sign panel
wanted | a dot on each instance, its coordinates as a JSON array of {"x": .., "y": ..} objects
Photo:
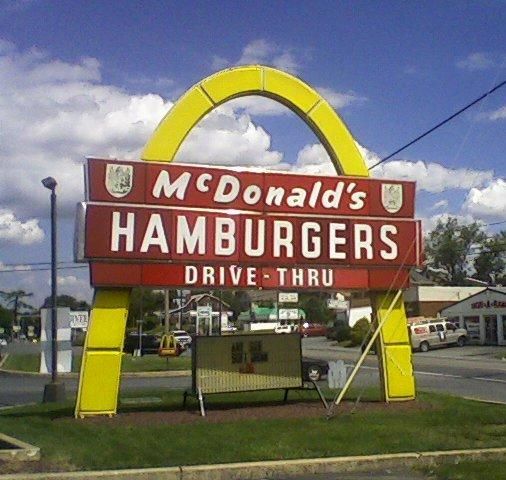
[
  {"x": 137, "y": 233},
  {"x": 198, "y": 226},
  {"x": 236, "y": 276},
  {"x": 180, "y": 185}
]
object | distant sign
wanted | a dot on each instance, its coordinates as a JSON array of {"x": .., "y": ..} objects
[
  {"x": 204, "y": 312},
  {"x": 239, "y": 363},
  {"x": 288, "y": 297},
  {"x": 336, "y": 304},
  {"x": 289, "y": 313},
  {"x": 79, "y": 319}
]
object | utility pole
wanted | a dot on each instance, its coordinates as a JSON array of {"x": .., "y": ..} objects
[
  {"x": 167, "y": 306},
  {"x": 54, "y": 391}
]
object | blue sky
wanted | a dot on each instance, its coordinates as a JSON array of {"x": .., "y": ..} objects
[{"x": 79, "y": 78}]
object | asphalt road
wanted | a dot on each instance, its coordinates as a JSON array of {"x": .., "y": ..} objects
[{"x": 468, "y": 372}]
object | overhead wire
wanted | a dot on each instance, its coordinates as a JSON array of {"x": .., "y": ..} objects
[
  {"x": 440, "y": 124},
  {"x": 20, "y": 269}
]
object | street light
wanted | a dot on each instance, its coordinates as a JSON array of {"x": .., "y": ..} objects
[{"x": 54, "y": 391}]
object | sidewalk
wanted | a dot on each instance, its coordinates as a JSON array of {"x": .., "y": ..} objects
[{"x": 367, "y": 464}]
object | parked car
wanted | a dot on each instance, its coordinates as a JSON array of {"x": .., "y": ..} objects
[
  {"x": 313, "y": 330},
  {"x": 285, "y": 328},
  {"x": 314, "y": 370},
  {"x": 183, "y": 338},
  {"x": 149, "y": 343},
  {"x": 3, "y": 342},
  {"x": 427, "y": 335}
]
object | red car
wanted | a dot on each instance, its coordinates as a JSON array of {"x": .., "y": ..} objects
[{"x": 313, "y": 330}]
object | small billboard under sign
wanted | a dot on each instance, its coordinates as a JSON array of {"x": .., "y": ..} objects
[
  {"x": 288, "y": 297},
  {"x": 238, "y": 363}
]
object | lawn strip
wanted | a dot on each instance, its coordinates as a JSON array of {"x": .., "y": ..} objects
[
  {"x": 147, "y": 363},
  {"x": 468, "y": 470},
  {"x": 437, "y": 423}
]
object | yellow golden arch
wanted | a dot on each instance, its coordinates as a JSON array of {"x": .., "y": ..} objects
[{"x": 101, "y": 365}]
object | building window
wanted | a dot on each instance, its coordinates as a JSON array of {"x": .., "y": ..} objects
[{"x": 504, "y": 327}]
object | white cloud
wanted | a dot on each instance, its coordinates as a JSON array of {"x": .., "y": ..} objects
[
  {"x": 489, "y": 201},
  {"x": 262, "y": 106},
  {"x": 16, "y": 268},
  {"x": 440, "y": 204},
  {"x": 264, "y": 52},
  {"x": 429, "y": 176},
  {"x": 53, "y": 113},
  {"x": 429, "y": 223},
  {"x": 256, "y": 105},
  {"x": 338, "y": 99},
  {"x": 314, "y": 160},
  {"x": 267, "y": 53},
  {"x": 229, "y": 138},
  {"x": 13, "y": 230},
  {"x": 74, "y": 286},
  {"x": 477, "y": 61},
  {"x": 498, "y": 114}
]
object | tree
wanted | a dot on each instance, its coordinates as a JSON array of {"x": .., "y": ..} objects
[
  {"x": 449, "y": 245},
  {"x": 14, "y": 299},
  {"x": 6, "y": 319},
  {"x": 144, "y": 302},
  {"x": 490, "y": 263},
  {"x": 315, "y": 307},
  {"x": 238, "y": 300},
  {"x": 360, "y": 331},
  {"x": 67, "y": 301}
]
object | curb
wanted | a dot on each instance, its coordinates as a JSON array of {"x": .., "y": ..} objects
[
  {"x": 270, "y": 469},
  {"x": 169, "y": 373},
  {"x": 18, "y": 450}
]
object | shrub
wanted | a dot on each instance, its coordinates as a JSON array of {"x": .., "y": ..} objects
[
  {"x": 341, "y": 331},
  {"x": 359, "y": 331}
]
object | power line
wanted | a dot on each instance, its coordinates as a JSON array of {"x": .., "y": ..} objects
[
  {"x": 31, "y": 264},
  {"x": 44, "y": 269},
  {"x": 440, "y": 124}
]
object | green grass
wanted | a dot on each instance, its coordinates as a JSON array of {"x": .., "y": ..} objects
[
  {"x": 438, "y": 423},
  {"x": 469, "y": 470},
  {"x": 147, "y": 363},
  {"x": 501, "y": 354},
  {"x": 154, "y": 363}
]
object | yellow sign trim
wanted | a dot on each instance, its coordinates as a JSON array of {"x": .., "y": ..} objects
[{"x": 269, "y": 82}]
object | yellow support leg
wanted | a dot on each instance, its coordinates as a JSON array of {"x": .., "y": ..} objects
[
  {"x": 101, "y": 364},
  {"x": 394, "y": 349}
]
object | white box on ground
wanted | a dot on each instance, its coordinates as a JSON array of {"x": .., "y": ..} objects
[
  {"x": 64, "y": 346},
  {"x": 337, "y": 374}
]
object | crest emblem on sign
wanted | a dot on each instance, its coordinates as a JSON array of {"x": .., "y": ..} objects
[
  {"x": 391, "y": 197},
  {"x": 119, "y": 179}
]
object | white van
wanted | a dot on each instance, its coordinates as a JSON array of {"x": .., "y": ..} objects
[{"x": 433, "y": 334}]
